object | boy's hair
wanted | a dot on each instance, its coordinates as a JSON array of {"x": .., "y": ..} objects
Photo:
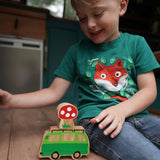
[{"x": 75, "y": 3}]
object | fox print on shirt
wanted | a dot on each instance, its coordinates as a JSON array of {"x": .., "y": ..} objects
[{"x": 112, "y": 78}]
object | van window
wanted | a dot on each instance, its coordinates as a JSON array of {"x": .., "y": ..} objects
[
  {"x": 54, "y": 138},
  {"x": 80, "y": 137},
  {"x": 68, "y": 136}
]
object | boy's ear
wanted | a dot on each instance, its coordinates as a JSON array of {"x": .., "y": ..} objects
[{"x": 123, "y": 7}]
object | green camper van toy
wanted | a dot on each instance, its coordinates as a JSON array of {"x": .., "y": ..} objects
[{"x": 65, "y": 139}]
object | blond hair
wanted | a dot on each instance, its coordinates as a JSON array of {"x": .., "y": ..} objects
[{"x": 75, "y": 3}]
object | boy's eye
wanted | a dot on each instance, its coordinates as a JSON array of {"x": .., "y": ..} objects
[
  {"x": 82, "y": 19},
  {"x": 98, "y": 14}
]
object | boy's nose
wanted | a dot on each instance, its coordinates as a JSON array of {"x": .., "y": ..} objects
[{"x": 91, "y": 23}]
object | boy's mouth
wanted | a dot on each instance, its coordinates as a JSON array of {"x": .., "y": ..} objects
[{"x": 94, "y": 34}]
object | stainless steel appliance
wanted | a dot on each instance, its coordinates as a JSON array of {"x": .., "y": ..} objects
[{"x": 21, "y": 64}]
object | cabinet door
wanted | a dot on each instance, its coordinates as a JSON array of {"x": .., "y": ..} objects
[
  {"x": 22, "y": 26},
  {"x": 61, "y": 35}
]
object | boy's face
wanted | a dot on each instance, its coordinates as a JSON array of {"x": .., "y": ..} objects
[{"x": 99, "y": 19}]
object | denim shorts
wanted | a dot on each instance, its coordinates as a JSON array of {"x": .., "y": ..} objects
[{"x": 139, "y": 139}]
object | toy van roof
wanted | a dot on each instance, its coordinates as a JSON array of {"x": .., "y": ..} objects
[{"x": 76, "y": 128}]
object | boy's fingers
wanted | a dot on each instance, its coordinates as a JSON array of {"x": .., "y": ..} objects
[
  {"x": 94, "y": 120},
  {"x": 116, "y": 131},
  {"x": 108, "y": 120},
  {"x": 99, "y": 118},
  {"x": 111, "y": 127}
]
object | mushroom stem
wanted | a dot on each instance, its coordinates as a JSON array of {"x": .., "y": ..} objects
[{"x": 66, "y": 123}]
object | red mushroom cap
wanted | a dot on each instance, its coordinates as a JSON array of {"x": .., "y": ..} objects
[{"x": 68, "y": 112}]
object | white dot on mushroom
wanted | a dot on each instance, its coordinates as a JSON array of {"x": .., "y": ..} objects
[
  {"x": 73, "y": 114},
  {"x": 62, "y": 112},
  {"x": 69, "y": 109},
  {"x": 67, "y": 115}
]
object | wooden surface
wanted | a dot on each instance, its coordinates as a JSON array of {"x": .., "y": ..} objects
[
  {"x": 22, "y": 23},
  {"x": 22, "y": 130}
]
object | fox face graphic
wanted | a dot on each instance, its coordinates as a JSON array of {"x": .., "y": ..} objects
[{"x": 112, "y": 78}]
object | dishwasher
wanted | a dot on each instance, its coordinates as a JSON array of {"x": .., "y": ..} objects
[{"x": 21, "y": 64}]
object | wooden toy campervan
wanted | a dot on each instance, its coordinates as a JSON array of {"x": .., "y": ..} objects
[{"x": 65, "y": 139}]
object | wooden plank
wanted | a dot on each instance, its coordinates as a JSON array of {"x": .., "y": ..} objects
[
  {"x": 91, "y": 156},
  {"x": 28, "y": 127},
  {"x": 22, "y": 26},
  {"x": 26, "y": 135},
  {"x": 5, "y": 123},
  {"x": 153, "y": 111}
]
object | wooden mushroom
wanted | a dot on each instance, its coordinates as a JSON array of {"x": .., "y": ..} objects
[{"x": 66, "y": 113}]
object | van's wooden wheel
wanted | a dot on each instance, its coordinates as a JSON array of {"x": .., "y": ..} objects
[
  {"x": 55, "y": 155},
  {"x": 77, "y": 155}
]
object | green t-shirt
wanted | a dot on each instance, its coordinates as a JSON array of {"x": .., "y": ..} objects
[{"x": 106, "y": 72}]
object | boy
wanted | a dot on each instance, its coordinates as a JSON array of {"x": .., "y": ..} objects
[{"x": 116, "y": 84}]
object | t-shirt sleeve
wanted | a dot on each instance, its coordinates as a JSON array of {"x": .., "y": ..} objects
[
  {"x": 67, "y": 68},
  {"x": 145, "y": 59}
]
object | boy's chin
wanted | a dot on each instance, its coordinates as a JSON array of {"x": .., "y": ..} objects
[{"x": 97, "y": 41}]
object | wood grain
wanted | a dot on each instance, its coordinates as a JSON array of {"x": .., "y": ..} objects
[
  {"x": 22, "y": 23},
  {"x": 5, "y": 123},
  {"x": 22, "y": 131}
]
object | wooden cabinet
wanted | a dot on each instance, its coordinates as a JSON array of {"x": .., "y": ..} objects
[{"x": 23, "y": 22}]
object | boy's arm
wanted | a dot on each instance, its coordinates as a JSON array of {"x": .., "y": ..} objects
[
  {"x": 37, "y": 99},
  {"x": 115, "y": 116}
]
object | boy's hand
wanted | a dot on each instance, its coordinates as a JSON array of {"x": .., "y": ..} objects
[
  {"x": 5, "y": 99},
  {"x": 112, "y": 118}
]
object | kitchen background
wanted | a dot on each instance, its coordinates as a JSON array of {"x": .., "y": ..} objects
[{"x": 39, "y": 32}]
